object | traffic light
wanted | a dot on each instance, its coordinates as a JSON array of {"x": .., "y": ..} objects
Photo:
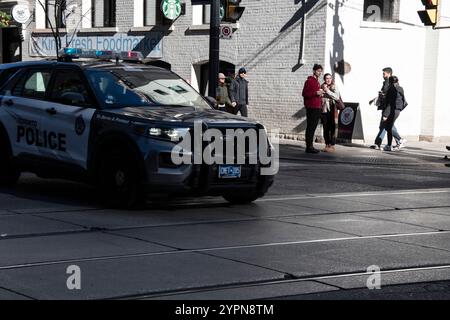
[
  {"x": 232, "y": 11},
  {"x": 429, "y": 15}
]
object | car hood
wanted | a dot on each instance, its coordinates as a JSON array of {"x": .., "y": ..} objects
[{"x": 187, "y": 115}]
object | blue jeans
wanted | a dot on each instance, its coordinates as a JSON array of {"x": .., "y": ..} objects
[{"x": 382, "y": 134}]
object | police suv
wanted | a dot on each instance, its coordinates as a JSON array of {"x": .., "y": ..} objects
[{"x": 115, "y": 124}]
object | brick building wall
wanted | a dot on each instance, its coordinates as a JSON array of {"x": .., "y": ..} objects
[{"x": 267, "y": 41}]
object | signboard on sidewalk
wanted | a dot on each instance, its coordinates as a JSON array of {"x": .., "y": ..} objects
[{"x": 347, "y": 120}]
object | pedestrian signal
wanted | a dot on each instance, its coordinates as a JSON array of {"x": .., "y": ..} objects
[
  {"x": 429, "y": 15},
  {"x": 232, "y": 10}
]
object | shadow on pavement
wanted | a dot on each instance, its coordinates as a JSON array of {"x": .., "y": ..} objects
[{"x": 68, "y": 193}]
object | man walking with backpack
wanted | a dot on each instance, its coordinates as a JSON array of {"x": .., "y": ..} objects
[{"x": 381, "y": 104}]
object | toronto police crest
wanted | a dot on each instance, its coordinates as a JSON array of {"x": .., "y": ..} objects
[{"x": 80, "y": 125}]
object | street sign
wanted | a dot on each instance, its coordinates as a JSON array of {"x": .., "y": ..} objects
[{"x": 226, "y": 32}]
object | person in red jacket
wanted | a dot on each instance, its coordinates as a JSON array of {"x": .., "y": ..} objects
[{"x": 312, "y": 97}]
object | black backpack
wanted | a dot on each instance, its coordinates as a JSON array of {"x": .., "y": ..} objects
[{"x": 405, "y": 103}]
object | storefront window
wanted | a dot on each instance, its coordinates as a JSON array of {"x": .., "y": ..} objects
[
  {"x": 50, "y": 13},
  {"x": 381, "y": 10},
  {"x": 152, "y": 12},
  {"x": 201, "y": 14},
  {"x": 103, "y": 13}
]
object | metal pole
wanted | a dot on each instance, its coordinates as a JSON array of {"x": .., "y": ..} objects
[{"x": 214, "y": 47}]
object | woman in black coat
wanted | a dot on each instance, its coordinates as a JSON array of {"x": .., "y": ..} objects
[{"x": 395, "y": 103}]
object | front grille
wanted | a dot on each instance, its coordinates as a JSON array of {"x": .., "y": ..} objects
[
  {"x": 207, "y": 176},
  {"x": 245, "y": 153}
]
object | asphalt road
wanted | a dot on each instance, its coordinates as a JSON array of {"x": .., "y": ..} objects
[{"x": 327, "y": 219}]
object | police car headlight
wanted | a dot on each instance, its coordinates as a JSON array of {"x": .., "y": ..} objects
[{"x": 173, "y": 134}]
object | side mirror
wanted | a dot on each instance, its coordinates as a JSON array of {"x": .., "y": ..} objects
[{"x": 212, "y": 102}]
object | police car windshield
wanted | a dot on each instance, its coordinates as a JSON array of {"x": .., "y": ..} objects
[{"x": 142, "y": 87}]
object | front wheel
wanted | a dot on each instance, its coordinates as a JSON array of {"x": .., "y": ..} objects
[{"x": 119, "y": 182}]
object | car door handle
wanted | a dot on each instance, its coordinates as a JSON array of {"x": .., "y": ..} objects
[
  {"x": 51, "y": 111},
  {"x": 9, "y": 102}
]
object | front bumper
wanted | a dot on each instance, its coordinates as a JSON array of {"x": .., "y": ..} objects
[{"x": 162, "y": 177}]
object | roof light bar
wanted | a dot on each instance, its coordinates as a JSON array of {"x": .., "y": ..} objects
[
  {"x": 73, "y": 52},
  {"x": 131, "y": 55},
  {"x": 101, "y": 54}
]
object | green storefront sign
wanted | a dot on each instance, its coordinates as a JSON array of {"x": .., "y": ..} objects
[{"x": 171, "y": 9}]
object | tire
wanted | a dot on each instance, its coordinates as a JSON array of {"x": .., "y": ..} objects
[
  {"x": 9, "y": 174},
  {"x": 119, "y": 182},
  {"x": 241, "y": 199}
]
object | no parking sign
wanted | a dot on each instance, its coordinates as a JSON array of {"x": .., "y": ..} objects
[{"x": 225, "y": 32}]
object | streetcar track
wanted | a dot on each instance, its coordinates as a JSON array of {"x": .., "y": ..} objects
[
  {"x": 386, "y": 237},
  {"x": 17, "y": 293},
  {"x": 297, "y": 279},
  {"x": 246, "y": 218}
]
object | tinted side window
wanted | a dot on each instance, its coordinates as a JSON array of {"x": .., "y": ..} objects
[
  {"x": 34, "y": 85},
  {"x": 70, "y": 88},
  {"x": 6, "y": 74}
]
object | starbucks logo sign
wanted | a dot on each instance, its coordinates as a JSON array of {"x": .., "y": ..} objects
[{"x": 171, "y": 9}]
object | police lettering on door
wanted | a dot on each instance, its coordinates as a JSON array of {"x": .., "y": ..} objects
[{"x": 41, "y": 138}]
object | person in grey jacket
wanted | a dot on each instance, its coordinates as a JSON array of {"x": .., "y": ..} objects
[{"x": 239, "y": 93}]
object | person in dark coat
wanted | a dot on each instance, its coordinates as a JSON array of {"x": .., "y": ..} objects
[
  {"x": 395, "y": 103},
  {"x": 312, "y": 98},
  {"x": 239, "y": 93}
]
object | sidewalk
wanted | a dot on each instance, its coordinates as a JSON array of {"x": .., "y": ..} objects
[{"x": 415, "y": 153}]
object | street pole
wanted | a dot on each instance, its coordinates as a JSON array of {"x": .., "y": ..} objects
[{"x": 214, "y": 47}]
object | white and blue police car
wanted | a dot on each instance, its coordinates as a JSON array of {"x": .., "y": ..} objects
[{"x": 114, "y": 124}]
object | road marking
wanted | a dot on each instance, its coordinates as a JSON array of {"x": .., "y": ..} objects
[
  {"x": 356, "y": 194},
  {"x": 325, "y": 240}
]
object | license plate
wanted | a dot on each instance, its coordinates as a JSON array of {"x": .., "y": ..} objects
[{"x": 229, "y": 172}]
